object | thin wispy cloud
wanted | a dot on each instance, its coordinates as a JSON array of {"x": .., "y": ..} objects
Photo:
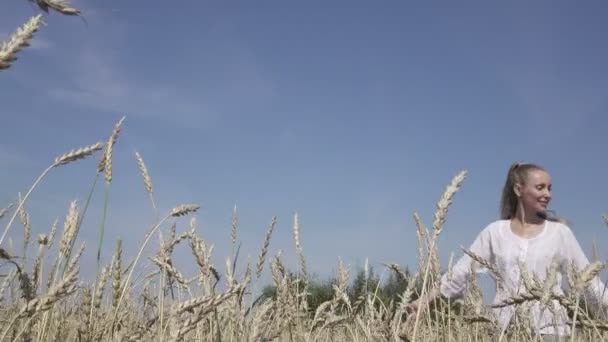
[
  {"x": 96, "y": 79},
  {"x": 100, "y": 84}
]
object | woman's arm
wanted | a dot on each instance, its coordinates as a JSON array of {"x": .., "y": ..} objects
[
  {"x": 453, "y": 283},
  {"x": 576, "y": 255}
]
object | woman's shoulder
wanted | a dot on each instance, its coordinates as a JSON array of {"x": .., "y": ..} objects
[
  {"x": 494, "y": 227},
  {"x": 559, "y": 227}
]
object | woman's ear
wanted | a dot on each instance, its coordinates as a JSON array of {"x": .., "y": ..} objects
[{"x": 517, "y": 189}]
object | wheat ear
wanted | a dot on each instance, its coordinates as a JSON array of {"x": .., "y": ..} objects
[
  {"x": 18, "y": 40},
  {"x": 439, "y": 219},
  {"x": 105, "y": 164},
  {"x": 177, "y": 211},
  {"x": 235, "y": 222},
  {"x": 296, "y": 237},
  {"x": 3, "y": 211},
  {"x": 77, "y": 154},
  {"x": 264, "y": 251},
  {"x": 147, "y": 182},
  {"x": 69, "y": 229},
  {"x": 61, "y": 6},
  {"x": 61, "y": 160}
]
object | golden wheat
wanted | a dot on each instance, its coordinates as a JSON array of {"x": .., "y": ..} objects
[
  {"x": 144, "y": 172},
  {"x": 77, "y": 154},
  {"x": 61, "y": 6},
  {"x": 18, "y": 41}
]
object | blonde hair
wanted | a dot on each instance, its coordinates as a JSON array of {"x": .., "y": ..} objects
[{"x": 518, "y": 174}]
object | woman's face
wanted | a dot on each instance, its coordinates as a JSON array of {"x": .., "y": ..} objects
[{"x": 535, "y": 193}]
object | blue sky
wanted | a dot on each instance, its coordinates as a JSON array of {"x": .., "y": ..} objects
[{"x": 354, "y": 114}]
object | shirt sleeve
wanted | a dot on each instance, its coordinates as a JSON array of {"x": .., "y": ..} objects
[
  {"x": 597, "y": 289},
  {"x": 453, "y": 283}
]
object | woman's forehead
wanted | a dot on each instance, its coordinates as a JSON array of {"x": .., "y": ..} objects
[{"x": 538, "y": 176}]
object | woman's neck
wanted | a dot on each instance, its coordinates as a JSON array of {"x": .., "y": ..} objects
[
  {"x": 528, "y": 219},
  {"x": 527, "y": 227}
]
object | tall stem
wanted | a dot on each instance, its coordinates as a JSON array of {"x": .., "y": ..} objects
[
  {"x": 80, "y": 219},
  {"x": 139, "y": 253},
  {"x": 22, "y": 202}
]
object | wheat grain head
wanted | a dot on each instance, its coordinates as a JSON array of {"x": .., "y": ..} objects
[
  {"x": 61, "y": 6},
  {"x": 184, "y": 209},
  {"x": 18, "y": 40},
  {"x": 144, "y": 172},
  {"x": 105, "y": 164},
  {"x": 4, "y": 211},
  {"x": 264, "y": 250},
  {"x": 77, "y": 154},
  {"x": 69, "y": 229}
]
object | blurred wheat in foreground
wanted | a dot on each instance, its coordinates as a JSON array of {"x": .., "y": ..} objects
[{"x": 149, "y": 298}]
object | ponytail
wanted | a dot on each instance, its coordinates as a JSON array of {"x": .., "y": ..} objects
[
  {"x": 517, "y": 174},
  {"x": 508, "y": 200}
]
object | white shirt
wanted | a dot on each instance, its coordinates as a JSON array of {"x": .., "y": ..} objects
[{"x": 498, "y": 244}]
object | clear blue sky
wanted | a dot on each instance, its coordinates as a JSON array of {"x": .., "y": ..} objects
[{"x": 354, "y": 114}]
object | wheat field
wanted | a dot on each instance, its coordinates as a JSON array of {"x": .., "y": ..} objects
[{"x": 47, "y": 300}]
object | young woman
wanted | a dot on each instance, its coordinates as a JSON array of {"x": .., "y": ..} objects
[{"x": 523, "y": 235}]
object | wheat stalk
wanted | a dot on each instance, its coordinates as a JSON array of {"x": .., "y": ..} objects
[
  {"x": 439, "y": 219},
  {"x": 18, "y": 40},
  {"x": 41, "y": 304},
  {"x": 61, "y": 160},
  {"x": 550, "y": 280},
  {"x": 116, "y": 274},
  {"x": 177, "y": 211},
  {"x": 61, "y": 6},
  {"x": 235, "y": 221},
  {"x": 5, "y": 284},
  {"x": 77, "y": 154},
  {"x": 170, "y": 269},
  {"x": 105, "y": 164},
  {"x": 588, "y": 274},
  {"x": 144, "y": 172},
  {"x": 296, "y": 237},
  {"x": 445, "y": 202},
  {"x": 184, "y": 209},
  {"x": 487, "y": 264},
  {"x": 27, "y": 225},
  {"x": 62, "y": 289},
  {"x": 101, "y": 286},
  {"x": 422, "y": 236},
  {"x": 43, "y": 242},
  {"x": 69, "y": 229},
  {"x": 147, "y": 182},
  {"x": 206, "y": 304},
  {"x": 264, "y": 250},
  {"x": 4, "y": 211},
  {"x": 202, "y": 255},
  {"x": 52, "y": 233}
]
